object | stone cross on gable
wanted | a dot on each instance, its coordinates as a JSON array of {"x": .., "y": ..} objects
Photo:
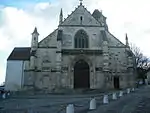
[{"x": 81, "y": 2}]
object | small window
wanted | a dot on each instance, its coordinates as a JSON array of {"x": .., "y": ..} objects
[
  {"x": 81, "y": 19},
  {"x": 34, "y": 38}
]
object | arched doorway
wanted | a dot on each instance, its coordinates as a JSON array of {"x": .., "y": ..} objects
[
  {"x": 81, "y": 75},
  {"x": 116, "y": 82}
]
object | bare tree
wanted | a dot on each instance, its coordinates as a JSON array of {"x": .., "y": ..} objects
[{"x": 142, "y": 62}]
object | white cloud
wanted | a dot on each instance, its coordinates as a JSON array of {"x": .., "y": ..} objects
[{"x": 123, "y": 16}]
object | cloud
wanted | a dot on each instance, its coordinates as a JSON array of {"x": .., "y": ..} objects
[
  {"x": 123, "y": 16},
  {"x": 17, "y": 24}
]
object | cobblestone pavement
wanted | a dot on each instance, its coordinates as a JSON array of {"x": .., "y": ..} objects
[{"x": 135, "y": 102}]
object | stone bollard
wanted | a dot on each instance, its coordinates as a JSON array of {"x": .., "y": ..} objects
[
  {"x": 92, "y": 104},
  {"x": 128, "y": 90},
  {"x": 105, "y": 99},
  {"x": 114, "y": 96},
  {"x": 146, "y": 82},
  {"x": 8, "y": 94},
  {"x": 121, "y": 94},
  {"x": 70, "y": 108},
  {"x": 133, "y": 89},
  {"x": 4, "y": 95}
]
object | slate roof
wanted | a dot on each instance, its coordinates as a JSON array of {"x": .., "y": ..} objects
[
  {"x": 96, "y": 14},
  {"x": 20, "y": 53}
]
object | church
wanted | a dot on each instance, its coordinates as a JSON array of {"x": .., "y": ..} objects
[{"x": 80, "y": 54}]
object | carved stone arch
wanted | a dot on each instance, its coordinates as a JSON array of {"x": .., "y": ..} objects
[
  {"x": 81, "y": 39},
  {"x": 81, "y": 57},
  {"x": 79, "y": 74},
  {"x": 73, "y": 61}
]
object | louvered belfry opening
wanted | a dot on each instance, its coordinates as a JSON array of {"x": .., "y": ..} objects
[
  {"x": 81, "y": 75},
  {"x": 81, "y": 39}
]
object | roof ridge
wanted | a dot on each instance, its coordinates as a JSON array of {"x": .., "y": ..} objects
[
  {"x": 116, "y": 38},
  {"x": 22, "y": 47},
  {"x": 70, "y": 14},
  {"x": 48, "y": 35}
]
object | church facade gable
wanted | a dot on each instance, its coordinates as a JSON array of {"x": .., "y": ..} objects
[{"x": 80, "y": 17}]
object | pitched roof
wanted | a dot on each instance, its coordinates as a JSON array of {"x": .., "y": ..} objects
[{"x": 20, "y": 53}]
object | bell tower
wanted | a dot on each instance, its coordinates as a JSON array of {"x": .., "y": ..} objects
[
  {"x": 34, "y": 42},
  {"x": 34, "y": 46}
]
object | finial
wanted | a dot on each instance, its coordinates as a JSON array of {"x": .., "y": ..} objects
[
  {"x": 81, "y": 2},
  {"x": 61, "y": 17},
  {"x": 61, "y": 12},
  {"x": 126, "y": 36},
  {"x": 35, "y": 31},
  {"x": 127, "y": 43}
]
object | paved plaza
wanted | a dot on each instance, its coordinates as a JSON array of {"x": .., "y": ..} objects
[{"x": 135, "y": 102}]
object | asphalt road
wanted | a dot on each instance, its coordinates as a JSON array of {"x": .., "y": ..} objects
[{"x": 135, "y": 102}]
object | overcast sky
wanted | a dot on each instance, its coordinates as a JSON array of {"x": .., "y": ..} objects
[{"x": 19, "y": 17}]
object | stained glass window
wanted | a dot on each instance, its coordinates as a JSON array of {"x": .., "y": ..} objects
[{"x": 81, "y": 39}]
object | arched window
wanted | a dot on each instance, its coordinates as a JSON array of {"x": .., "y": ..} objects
[{"x": 81, "y": 39}]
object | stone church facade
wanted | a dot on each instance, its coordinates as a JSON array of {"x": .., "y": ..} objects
[{"x": 80, "y": 53}]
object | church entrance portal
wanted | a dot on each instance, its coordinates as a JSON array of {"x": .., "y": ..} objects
[
  {"x": 81, "y": 75},
  {"x": 116, "y": 83}
]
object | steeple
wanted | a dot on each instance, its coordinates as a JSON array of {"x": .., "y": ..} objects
[
  {"x": 61, "y": 17},
  {"x": 127, "y": 43},
  {"x": 34, "y": 41},
  {"x": 35, "y": 31}
]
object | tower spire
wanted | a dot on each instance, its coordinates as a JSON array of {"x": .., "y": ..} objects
[
  {"x": 127, "y": 42},
  {"x": 35, "y": 31},
  {"x": 34, "y": 40},
  {"x": 61, "y": 12},
  {"x": 61, "y": 16}
]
